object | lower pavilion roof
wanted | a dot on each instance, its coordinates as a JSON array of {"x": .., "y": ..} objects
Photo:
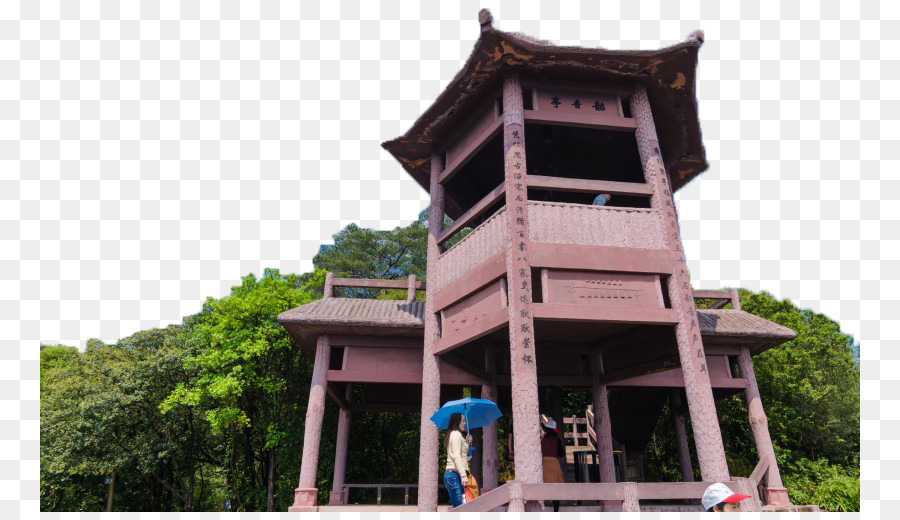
[{"x": 400, "y": 318}]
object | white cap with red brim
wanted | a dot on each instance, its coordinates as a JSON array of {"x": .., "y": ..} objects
[{"x": 719, "y": 493}]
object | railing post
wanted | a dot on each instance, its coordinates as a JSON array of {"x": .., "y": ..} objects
[
  {"x": 516, "y": 499},
  {"x": 631, "y": 502},
  {"x": 328, "y": 289},
  {"x": 745, "y": 486},
  {"x": 735, "y": 299},
  {"x": 406, "y": 496},
  {"x": 411, "y": 290},
  {"x": 378, "y": 496}
]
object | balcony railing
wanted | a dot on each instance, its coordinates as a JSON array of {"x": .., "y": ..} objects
[
  {"x": 581, "y": 224},
  {"x": 484, "y": 241}
]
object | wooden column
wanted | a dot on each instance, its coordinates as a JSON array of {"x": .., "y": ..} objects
[
  {"x": 338, "y": 494},
  {"x": 774, "y": 493},
  {"x": 431, "y": 373},
  {"x": 702, "y": 406},
  {"x": 305, "y": 494},
  {"x": 681, "y": 441},
  {"x": 490, "y": 465},
  {"x": 476, "y": 465},
  {"x": 523, "y": 361},
  {"x": 602, "y": 424}
]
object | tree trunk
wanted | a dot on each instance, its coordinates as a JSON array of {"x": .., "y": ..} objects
[
  {"x": 112, "y": 488},
  {"x": 270, "y": 492}
]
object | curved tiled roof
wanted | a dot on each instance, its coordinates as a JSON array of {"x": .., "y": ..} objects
[
  {"x": 357, "y": 311},
  {"x": 394, "y": 314},
  {"x": 669, "y": 75},
  {"x": 724, "y": 322}
]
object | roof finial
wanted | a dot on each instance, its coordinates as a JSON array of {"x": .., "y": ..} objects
[
  {"x": 696, "y": 35},
  {"x": 485, "y": 19}
]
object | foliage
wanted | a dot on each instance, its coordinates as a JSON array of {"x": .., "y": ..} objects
[{"x": 246, "y": 371}]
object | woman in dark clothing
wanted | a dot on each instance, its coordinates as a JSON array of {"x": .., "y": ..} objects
[{"x": 551, "y": 449}]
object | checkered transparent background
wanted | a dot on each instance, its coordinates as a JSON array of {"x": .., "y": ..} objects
[{"x": 152, "y": 153}]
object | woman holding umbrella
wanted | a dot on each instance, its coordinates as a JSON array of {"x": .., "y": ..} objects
[
  {"x": 456, "y": 417},
  {"x": 457, "y": 469}
]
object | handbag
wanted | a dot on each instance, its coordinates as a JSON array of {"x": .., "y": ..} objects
[{"x": 472, "y": 487}]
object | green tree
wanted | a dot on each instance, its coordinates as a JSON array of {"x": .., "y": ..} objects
[{"x": 246, "y": 373}]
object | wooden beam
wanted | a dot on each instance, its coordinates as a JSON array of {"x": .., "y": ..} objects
[
  {"x": 474, "y": 212},
  {"x": 721, "y": 350},
  {"x": 375, "y": 341},
  {"x": 621, "y": 124},
  {"x": 713, "y": 295},
  {"x": 761, "y": 469},
  {"x": 553, "y": 380},
  {"x": 493, "y": 321},
  {"x": 487, "y": 501},
  {"x": 477, "y": 277},
  {"x": 375, "y": 284},
  {"x": 374, "y": 376},
  {"x": 474, "y": 147},
  {"x": 384, "y": 407},
  {"x": 583, "y": 313},
  {"x": 674, "y": 490},
  {"x": 589, "y": 186},
  {"x": 387, "y": 376},
  {"x": 623, "y": 89},
  {"x": 718, "y": 304},
  {"x": 596, "y": 258},
  {"x": 660, "y": 380},
  {"x": 477, "y": 373},
  {"x": 629, "y": 335},
  {"x": 574, "y": 491},
  {"x": 647, "y": 367},
  {"x": 336, "y": 396}
]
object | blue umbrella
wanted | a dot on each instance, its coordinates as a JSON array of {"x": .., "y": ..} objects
[{"x": 478, "y": 412}]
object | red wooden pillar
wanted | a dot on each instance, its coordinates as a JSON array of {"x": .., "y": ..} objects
[
  {"x": 431, "y": 373},
  {"x": 305, "y": 494},
  {"x": 602, "y": 425},
  {"x": 702, "y": 406},
  {"x": 338, "y": 494},
  {"x": 681, "y": 441},
  {"x": 523, "y": 361},
  {"x": 774, "y": 492}
]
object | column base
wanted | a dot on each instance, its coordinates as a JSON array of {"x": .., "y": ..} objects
[
  {"x": 337, "y": 498},
  {"x": 776, "y": 496},
  {"x": 304, "y": 497}
]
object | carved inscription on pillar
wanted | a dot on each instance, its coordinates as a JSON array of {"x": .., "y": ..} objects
[
  {"x": 520, "y": 285},
  {"x": 603, "y": 289}
]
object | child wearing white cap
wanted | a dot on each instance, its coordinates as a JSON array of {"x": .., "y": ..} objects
[{"x": 719, "y": 499}]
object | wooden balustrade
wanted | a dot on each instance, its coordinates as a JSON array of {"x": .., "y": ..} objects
[
  {"x": 612, "y": 492},
  {"x": 589, "y": 186},
  {"x": 379, "y": 487},
  {"x": 361, "y": 283},
  {"x": 474, "y": 212},
  {"x": 721, "y": 298}
]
